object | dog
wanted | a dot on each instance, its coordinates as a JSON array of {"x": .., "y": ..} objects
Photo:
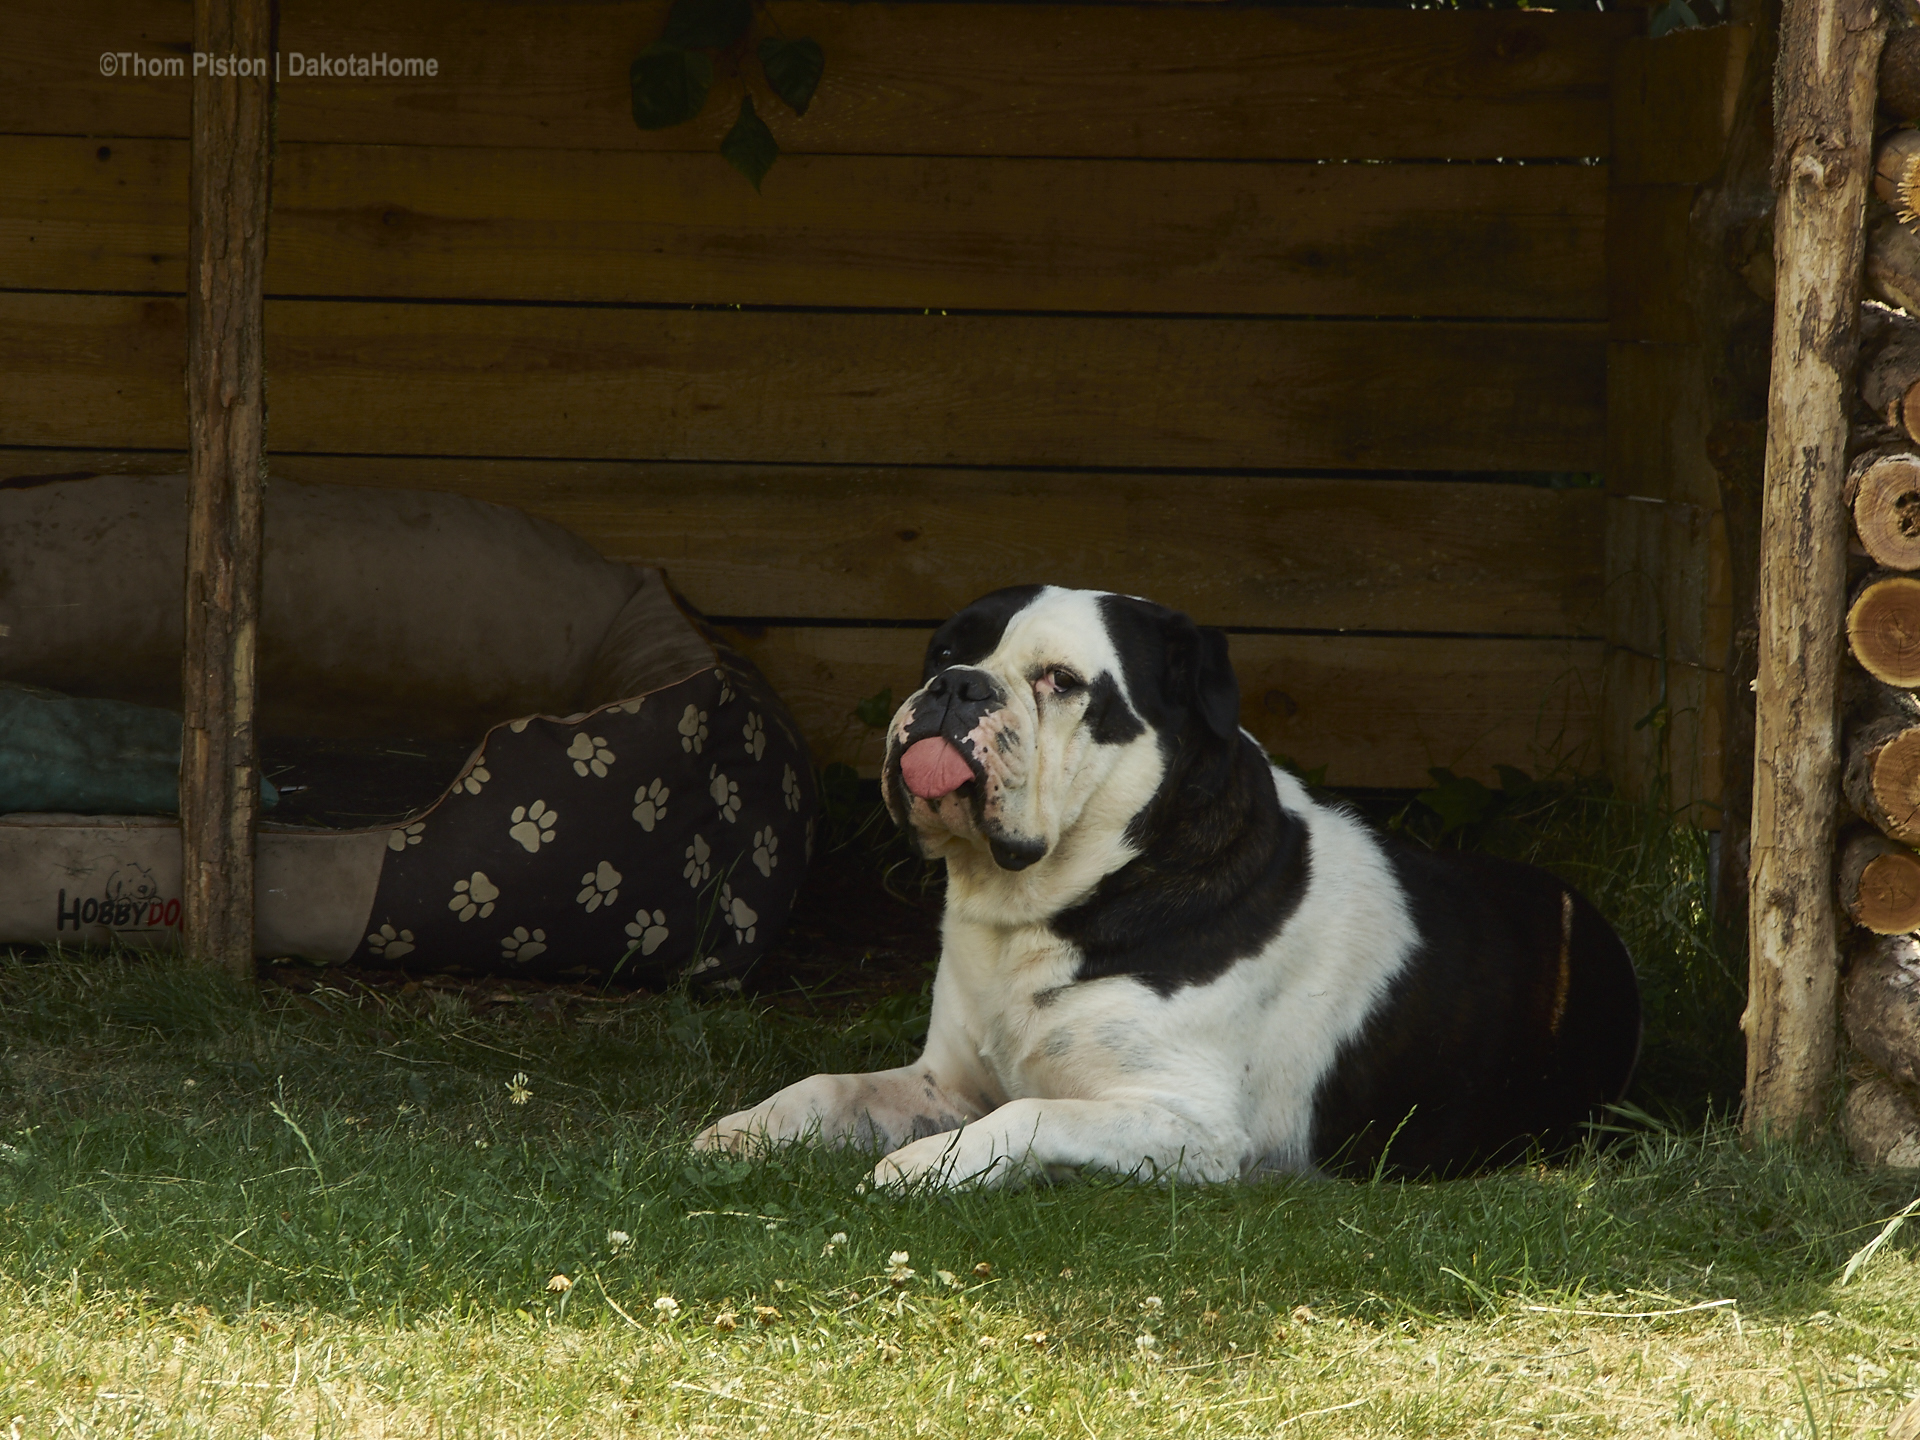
[{"x": 1162, "y": 956}]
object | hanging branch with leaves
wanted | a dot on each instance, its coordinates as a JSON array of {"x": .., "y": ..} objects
[{"x": 672, "y": 77}]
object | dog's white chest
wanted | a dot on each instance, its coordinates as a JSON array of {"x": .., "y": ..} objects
[{"x": 1010, "y": 995}]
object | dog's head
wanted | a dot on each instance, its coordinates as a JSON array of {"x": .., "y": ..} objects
[{"x": 1043, "y": 712}]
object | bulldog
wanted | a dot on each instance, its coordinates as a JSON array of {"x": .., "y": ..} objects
[{"x": 1162, "y": 956}]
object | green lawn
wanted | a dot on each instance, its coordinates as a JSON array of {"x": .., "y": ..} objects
[{"x": 328, "y": 1210}]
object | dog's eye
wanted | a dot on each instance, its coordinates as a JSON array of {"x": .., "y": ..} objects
[{"x": 1057, "y": 681}]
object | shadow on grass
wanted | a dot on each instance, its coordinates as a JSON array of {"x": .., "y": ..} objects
[{"x": 361, "y": 1152}]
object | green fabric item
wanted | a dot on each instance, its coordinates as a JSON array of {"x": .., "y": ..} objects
[{"x": 89, "y": 757}]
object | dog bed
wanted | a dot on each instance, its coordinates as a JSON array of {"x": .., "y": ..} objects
[{"x": 638, "y": 799}]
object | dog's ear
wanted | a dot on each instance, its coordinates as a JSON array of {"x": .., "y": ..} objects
[{"x": 1200, "y": 675}]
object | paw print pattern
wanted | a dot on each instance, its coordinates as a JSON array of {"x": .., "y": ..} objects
[
  {"x": 766, "y": 846},
  {"x": 790, "y": 788},
  {"x": 648, "y": 930},
  {"x": 756, "y": 733},
  {"x": 650, "y": 804},
  {"x": 390, "y": 944},
  {"x": 726, "y": 794},
  {"x": 704, "y": 963},
  {"x": 474, "y": 780},
  {"x": 590, "y": 755},
  {"x": 474, "y": 896},
  {"x": 726, "y": 687},
  {"x": 519, "y": 726},
  {"x": 693, "y": 729},
  {"x": 533, "y": 825},
  {"x": 628, "y": 707},
  {"x": 737, "y": 913},
  {"x": 522, "y": 945},
  {"x": 402, "y": 836},
  {"x": 599, "y": 886},
  {"x": 699, "y": 865}
]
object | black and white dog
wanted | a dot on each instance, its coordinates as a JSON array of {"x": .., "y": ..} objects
[{"x": 1162, "y": 955}]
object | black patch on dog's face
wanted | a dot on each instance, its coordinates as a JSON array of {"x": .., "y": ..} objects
[
  {"x": 973, "y": 634},
  {"x": 1109, "y": 719},
  {"x": 1222, "y": 865},
  {"x": 1177, "y": 672},
  {"x": 1524, "y": 988}
]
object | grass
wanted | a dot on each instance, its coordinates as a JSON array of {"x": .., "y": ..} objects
[{"x": 335, "y": 1210}]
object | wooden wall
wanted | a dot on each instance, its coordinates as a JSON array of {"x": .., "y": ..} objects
[
  {"x": 1668, "y": 608},
  {"x": 1180, "y": 301}
]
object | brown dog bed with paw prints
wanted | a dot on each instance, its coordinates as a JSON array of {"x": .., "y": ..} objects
[{"x": 491, "y": 748}]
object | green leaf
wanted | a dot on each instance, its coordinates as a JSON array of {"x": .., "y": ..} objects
[
  {"x": 876, "y": 710},
  {"x": 669, "y": 85},
  {"x": 707, "y": 24},
  {"x": 1458, "y": 800},
  {"x": 794, "y": 68},
  {"x": 749, "y": 146},
  {"x": 1515, "y": 783}
]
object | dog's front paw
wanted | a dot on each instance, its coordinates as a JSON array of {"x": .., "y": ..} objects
[
  {"x": 743, "y": 1132},
  {"x": 939, "y": 1162}
]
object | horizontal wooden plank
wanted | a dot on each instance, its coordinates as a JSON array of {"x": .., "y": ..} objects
[
  {"x": 1375, "y": 712},
  {"x": 940, "y": 233},
  {"x": 501, "y": 380},
  {"x": 968, "y": 79},
  {"x": 1325, "y": 553},
  {"x": 1663, "y": 728}
]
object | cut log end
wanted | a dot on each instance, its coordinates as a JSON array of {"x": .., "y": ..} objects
[
  {"x": 1883, "y": 628},
  {"x": 1880, "y": 885},
  {"x": 1883, "y": 777},
  {"x": 1886, "y": 509}
]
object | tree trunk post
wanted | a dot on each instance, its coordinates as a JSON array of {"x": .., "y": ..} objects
[
  {"x": 1824, "y": 85},
  {"x": 229, "y": 180}
]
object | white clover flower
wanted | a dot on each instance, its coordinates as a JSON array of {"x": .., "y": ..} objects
[
  {"x": 1153, "y": 1304},
  {"x": 666, "y": 1307},
  {"x": 618, "y": 1241},
  {"x": 517, "y": 1089}
]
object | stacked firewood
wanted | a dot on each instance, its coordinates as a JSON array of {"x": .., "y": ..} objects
[{"x": 1879, "y": 869}]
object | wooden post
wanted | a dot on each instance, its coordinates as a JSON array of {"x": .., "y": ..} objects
[
  {"x": 1823, "y": 117},
  {"x": 229, "y": 180}
]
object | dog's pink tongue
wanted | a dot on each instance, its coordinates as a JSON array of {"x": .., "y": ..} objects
[{"x": 933, "y": 767}]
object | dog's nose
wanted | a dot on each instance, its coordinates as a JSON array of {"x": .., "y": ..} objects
[{"x": 968, "y": 686}]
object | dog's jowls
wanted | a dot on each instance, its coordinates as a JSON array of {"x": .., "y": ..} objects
[{"x": 1160, "y": 954}]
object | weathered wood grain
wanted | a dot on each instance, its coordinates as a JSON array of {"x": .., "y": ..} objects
[
  {"x": 1647, "y": 263},
  {"x": 966, "y": 79},
  {"x": 841, "y": 543},
  {"x": 229, "y": 183},
  {"x": 1663, "y": 728},
  {"x": 1824, "y": 119},
  {"x": 1657, "y": 425},
  {"x": 942, "y": 232},
  {"x": 1675, "y": 102},
  {"x": 497, "y": 380},
  {"x": 1375, "y": 712},
  {"x": 1666, "y": 585}
]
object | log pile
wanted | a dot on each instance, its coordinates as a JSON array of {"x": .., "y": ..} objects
[{"x": 1878, "y": 851}]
